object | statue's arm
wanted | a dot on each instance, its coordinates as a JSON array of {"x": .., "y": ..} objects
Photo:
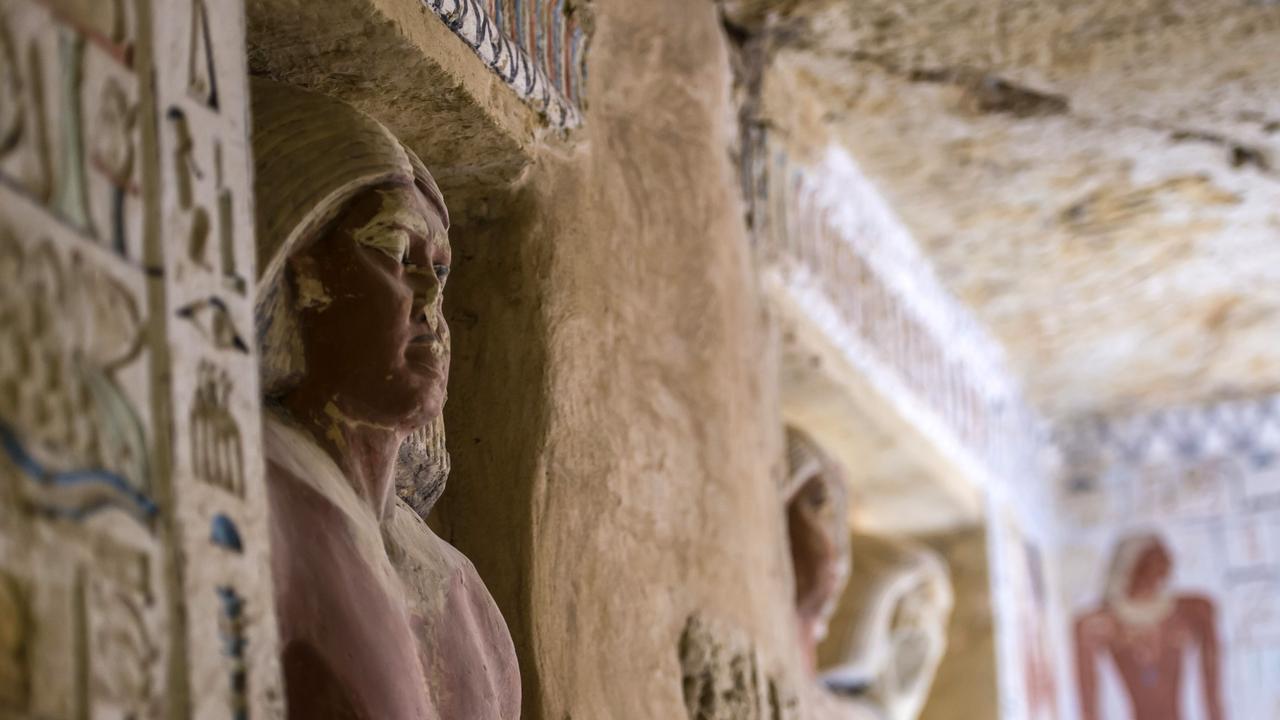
[
  {"x": 313, "y": 691},
  {"x": 1089, "y": 643},
  {"x": 1205, "y": 626}
]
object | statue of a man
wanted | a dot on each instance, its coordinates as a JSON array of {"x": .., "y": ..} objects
[
  {"x": 1147, "y": 631},
  {"x": 818, "y": 534},
  {"x": 379, "y": 618}
]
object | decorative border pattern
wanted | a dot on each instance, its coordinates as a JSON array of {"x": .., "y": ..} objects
[
  {"x": 537, "y": 47},
  {"x": 1246, "y": 430},
  {"x": 832, "y": 242}
]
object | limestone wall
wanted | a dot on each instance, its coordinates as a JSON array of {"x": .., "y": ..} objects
[{"x": 613, "y": 417}]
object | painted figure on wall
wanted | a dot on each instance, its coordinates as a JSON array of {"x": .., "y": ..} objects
[
  {"x": 818, "y": 530},
  {"x": 1037, "y": 661},
  {"x": 1147, "y": 630},
  {"x": 379, "y": 618}
]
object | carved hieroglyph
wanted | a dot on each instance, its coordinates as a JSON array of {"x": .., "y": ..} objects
[{"x": 131, "y": 500}]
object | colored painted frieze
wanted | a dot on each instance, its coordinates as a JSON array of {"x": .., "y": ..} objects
[{"x": 537, "y": 47}]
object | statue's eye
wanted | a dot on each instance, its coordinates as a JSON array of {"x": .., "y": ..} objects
[
  {"x": 394, "y": 243},
  {"x": 442, "y": 272}
]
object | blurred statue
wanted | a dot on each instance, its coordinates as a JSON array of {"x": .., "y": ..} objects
[
  {"x": 1147, "y": 631},
  {"x": 889, "y": 630},
  {"x": 817, "y": 525},
  {"x": 379, "y": 618}
]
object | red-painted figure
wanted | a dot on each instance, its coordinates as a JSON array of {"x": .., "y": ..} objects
[{"x": 1147, "y": 631}]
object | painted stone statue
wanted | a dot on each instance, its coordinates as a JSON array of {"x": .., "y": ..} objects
[
  {"x": 1147, "y": 631},
  {"x": 817, "y": 527},
  {"x": 889, "y": 631},
  {"x": 379, "y": 618}
]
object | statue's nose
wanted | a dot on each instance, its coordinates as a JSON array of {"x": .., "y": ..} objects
[{"x": 426, "y": 296}]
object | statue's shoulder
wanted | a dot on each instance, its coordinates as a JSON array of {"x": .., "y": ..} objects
[
  {"x": 422, "y": 558},
  {"x": 454, "y": 615},
  {"x": 430, "y": 568},
  {"x": 294, "y": 459}
]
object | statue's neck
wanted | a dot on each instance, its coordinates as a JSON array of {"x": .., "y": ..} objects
[{"x": 364, "y": 452}]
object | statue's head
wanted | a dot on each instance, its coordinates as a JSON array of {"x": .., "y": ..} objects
[
  {"x": 353, "y": 253},
  {"x": 818, "y": 530}
]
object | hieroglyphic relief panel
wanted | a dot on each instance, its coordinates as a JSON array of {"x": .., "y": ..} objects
[
  {"x": 112, "y": 346},
  {"x": 219, "y": 500},
  {"x": 82, "y": 551}
]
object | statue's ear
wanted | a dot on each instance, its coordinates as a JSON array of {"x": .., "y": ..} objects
[{"x": 422, "y": 467}]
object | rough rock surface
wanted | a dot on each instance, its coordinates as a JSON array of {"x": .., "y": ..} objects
[
  {"x": 1097, "y": 180},
  {"x": 612, "y": 416}
]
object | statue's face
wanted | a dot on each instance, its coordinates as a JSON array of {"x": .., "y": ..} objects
[
  {"x": 815, "y": 551},
  {"x": 372, "y": 324}
]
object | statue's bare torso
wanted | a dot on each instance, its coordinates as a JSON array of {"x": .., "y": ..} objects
[{"x": 383, "y": 620}]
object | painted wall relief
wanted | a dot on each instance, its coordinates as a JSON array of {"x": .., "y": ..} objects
[
  {"x": 71, "y": 333},
  {"x": 1026, "y": 617},
  {"x": 1039, "y": 668},
  {"x": 1147, "y": 630},
  {"x": 15, "y": 640},
  {"x": 104, "y": 527},
  {"x": 831, "y": 244},
  {"x": 80, "y": 536},
  {"x": 1184, "y": 491},
  {"x": 538, "y": 47}
]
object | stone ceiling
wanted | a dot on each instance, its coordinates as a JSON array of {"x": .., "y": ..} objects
[{"x": 1098, "y": 181}]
